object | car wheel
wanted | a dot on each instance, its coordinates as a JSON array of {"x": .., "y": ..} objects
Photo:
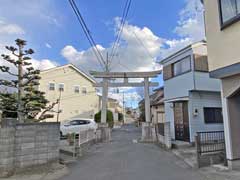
[{"x": 61, "y": 134}]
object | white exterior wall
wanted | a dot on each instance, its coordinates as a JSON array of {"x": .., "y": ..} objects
[
  {"x": 178, "y": 86},
  {"x": 203, "y": 82},
  {"x": 169, "y": 117},
  {"x": 199, "y": 100}
]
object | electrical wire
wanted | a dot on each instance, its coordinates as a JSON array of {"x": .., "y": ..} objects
[
  {"x": 88, "y": 34},
  {"x": 141, "y": 42},
  {"x": 119, "y": 34}
]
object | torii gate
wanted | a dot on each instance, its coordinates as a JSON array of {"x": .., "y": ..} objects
[{"x": 105, "y": 84}]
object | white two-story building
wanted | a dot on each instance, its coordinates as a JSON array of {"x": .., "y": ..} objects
[{"x": 192, "y": 99}]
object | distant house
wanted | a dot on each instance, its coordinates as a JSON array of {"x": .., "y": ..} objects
[
  {"x": 157, "y": 106},
  {"x": 74, "y": 88},
  {"x": 192, "y": 99},
  {"x": 113, "y": 105}
]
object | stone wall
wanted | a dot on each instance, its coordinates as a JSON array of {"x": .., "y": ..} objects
[{"x": 27, "y": 145}]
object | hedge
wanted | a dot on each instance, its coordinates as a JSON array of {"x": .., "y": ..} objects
[{"x": 110, "y": 120}]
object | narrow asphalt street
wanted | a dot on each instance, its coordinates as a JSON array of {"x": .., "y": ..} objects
[{"x": 125, "y": 159}]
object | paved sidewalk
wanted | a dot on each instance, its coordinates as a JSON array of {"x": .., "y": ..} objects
[
  {"x": 53, "y": 172},
  {"x": 126, "y": 159}
]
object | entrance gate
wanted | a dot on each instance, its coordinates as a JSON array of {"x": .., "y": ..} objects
[{"x": 105, "y": 84}]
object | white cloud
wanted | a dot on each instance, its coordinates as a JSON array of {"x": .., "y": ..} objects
[
  {"x": 10, "y": 29},
  {"x": 48, "y": 45},
  {"x": 85, "y": 60},
  {"x": 191, "y": 23},
  {"x": 43, "y": 64},
  {"x": 7, "y": 33},
  {"x": 42, "y": 10},
  {"x": 128, "y": 97},
  {"x": 137, "y": 51}
]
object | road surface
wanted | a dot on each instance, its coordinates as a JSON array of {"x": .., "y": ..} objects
[{"x": 126, "y": 159}]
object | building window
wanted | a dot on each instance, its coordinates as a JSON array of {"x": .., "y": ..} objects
[
  {"x": 213, "y": 115},
  {"x": 84, "y": 90},
  {"x": 61, "y": 87},
  {"x": 182, "y": 66},
  {"x": 51, "y": 86},
  {"x": 230, "y": 11},
  {"x": 76, "y": 89}
]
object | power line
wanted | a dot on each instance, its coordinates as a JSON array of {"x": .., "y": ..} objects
[
  {"x": 141, "y": 42},
  {"x": 87, "y": 33},
  {"x": 123, "y": 21}
]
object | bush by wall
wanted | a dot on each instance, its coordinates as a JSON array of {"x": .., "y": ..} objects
[
  {"x": 110, "y": 120},
  {"x": 120, "y": 117}
]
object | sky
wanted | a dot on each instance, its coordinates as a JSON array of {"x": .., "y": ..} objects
[{"x": 153, "y": 30}]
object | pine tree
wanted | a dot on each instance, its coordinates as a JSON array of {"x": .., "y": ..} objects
[{"x": 29, "y": 103}]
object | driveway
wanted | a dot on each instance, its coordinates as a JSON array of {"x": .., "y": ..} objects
[{"x": 125, "y": 159}]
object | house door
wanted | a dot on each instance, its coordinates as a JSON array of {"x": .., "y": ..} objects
[{"x": 181, "y": 121}]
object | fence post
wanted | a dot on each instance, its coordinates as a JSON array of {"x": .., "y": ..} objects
[
  {"x": 0, "y": 118},
  {"x": 225, "y": 154},
  {"x": 197, "y": 142}
]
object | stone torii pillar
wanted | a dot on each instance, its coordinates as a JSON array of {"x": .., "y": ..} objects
[
  {"x": 147, "y": 101},
  {"x": 104, "y": 101}
]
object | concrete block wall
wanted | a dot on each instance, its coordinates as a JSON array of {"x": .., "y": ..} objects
[
  {"x": 7, "y": 152},
  {"x": 27, "y": 145}
]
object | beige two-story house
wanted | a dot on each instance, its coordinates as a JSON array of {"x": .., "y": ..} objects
[
  {"x": 223, "y": 38},
  {"x": 74, "y": 88}
]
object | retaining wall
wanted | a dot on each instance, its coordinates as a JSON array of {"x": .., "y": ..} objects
[{"x": 28, "y": 145}]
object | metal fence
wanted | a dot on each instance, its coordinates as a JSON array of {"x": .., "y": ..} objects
[
  {"x": 210, "y": 143},
  {"x": 160, "y": 128},
  {"x": 86, "y": 136},
  {"x": 73, "y": 144}
]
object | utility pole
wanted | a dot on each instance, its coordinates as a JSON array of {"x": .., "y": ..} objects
[
  {"x": 124, "y": 116},
  {"x": 20, "y": 83}
]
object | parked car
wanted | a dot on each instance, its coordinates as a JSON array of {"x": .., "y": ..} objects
[{"x": 77, "y": 125}]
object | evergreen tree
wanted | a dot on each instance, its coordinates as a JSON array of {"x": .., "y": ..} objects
[{"x": 28, "y": 102}]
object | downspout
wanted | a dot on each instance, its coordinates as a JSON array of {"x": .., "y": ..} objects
[
  {"x": 193, "y": 69},
  {"x": 194, "y": 88}
]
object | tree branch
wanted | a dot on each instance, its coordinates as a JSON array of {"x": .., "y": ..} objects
[
  {"x": 6, "y": 70},
  {"x": 50, "y": 107}
]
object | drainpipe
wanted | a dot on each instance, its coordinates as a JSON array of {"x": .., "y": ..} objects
[{"x": 193, "y": 69}]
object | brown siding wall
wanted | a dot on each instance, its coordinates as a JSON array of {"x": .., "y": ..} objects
[
  {"x": 167, "y": 72},
  {"x": 201, "y": 63}
]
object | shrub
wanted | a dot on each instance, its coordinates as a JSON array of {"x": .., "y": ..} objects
[
  {"x": 110, "y": 121},
  {"x": 120, "y": 116}
]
